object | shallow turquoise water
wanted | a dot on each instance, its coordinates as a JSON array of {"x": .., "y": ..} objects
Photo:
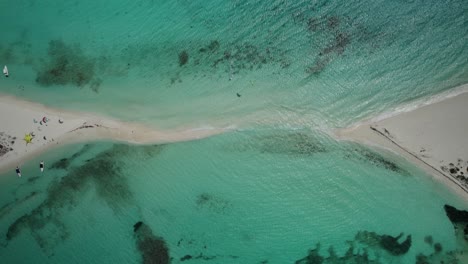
[
  {"x": 242, "y": 197},
  {"x": 268, "y": 192},
  {"x": 335, "y": 61}
]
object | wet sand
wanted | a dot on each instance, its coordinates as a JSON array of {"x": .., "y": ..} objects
[
  {"x": 433, "y": 136},
  {"x": 20, "y": 117}
]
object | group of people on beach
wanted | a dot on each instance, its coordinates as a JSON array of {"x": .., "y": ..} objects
[{"x": 41, "y": 167}]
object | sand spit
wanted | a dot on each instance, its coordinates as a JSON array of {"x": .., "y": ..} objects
[
  {"x": 433, "y": 136},
  {"x": 54, "y": 127}
]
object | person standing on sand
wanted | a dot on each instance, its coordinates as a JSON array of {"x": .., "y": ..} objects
[
  {"x": 41, "y": 165},
  {"x": 18, "y": 171}
]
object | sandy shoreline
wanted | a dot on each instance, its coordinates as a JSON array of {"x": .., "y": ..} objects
[
  {"x": 20, "y": 117},
  {"x": 433, "y": 136}
]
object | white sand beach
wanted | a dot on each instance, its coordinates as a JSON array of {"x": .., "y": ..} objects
[
  {"x": 434, "y": 136},
  {"x": 19, "y": 118}
]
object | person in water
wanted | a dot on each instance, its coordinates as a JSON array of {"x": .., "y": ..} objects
[
  {"x": 41, "y": 165},
  {"x": 18, "y": 171}
]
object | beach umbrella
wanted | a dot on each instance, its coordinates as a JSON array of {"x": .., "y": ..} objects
[{"x": 28, "y": 138}]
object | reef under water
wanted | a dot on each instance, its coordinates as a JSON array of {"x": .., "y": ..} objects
[
  {"x": 456, "y": 216},
  {"x": 6, "y": 209},
  {"x": 377, "y": 244},
  {"x": 287, "y": 143},
  {"x": 212, "y": 203},
  {"x": 183, "y": 58},
  {"x": 353, "y": 254},
  {"x": 375, "y": 159},
  {"x": 64, "y": 163},
  {"x": 314, "y": 257},
  {"x": 389, "y": 243},
  {"x": 153, "y": 249},
  {"x": 459, "y": 219},
  {"x": 205, "y": 257},
  {"x": 104, "y": 173},
  {"x": 67, "y": 65}
]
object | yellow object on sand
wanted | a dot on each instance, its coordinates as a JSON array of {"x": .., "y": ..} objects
[{"x": 28, "y": 138}]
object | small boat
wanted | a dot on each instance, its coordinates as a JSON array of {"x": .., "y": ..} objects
[
  {"x": 41, "y": 166},
  {"x": 5, "y": 71}
]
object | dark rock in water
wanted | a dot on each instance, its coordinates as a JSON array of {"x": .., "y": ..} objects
[
  {"x": 103, "y": 174},
  {"x": 137, "y": 225},
  {"x": 386, "y": 242},
  {"x": 455, "y": 215},
  {"x": 213, "y": 203},
  {"x": 201, "y": 256},
  {"x": 183, "y": 58},
  {"x": 377, "y": 160},
  {"x": 186, "y": 257},
  {"x": 392, "y": 245},
  {"x": 67, "y": 65},
  {"x": 312, "y": 258},
  {"x": 349, "y": 257},
  {"x": 428, "y": 240},
  {"x": 422, "y": 259},
  {"x": 437, "y": 247},
  {"x": 214, "y": 45},
  {"x": 313, "y": 24},
  {"x": 153, "y": 249},
  {"x": 61, "y": 164},
  {"x": 333, "y": 22}
]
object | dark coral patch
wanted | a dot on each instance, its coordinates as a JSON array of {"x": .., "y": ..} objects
[
  {"x": 212, "y": 47},
  {"x": 153, "y": 249},
  {"x": 376, "y": 159},
  {"x": 247, "y": 56},
  {"x": 459, "y": 219},
  {"x": 213, "y": 203},
  {"x": 205, "y": 257},
  {"x": 456, "y": 216},
  {"x": 341, "y": 41},
  {"x": 392, "y": 245},
  {"x": 137, "y": 226},
  {"x": 296, "y": 143},
  {"x": 183, "y": 58},
  {"x": 313, "y": 24},
  {"x": 67, "y": 65},
  {"x": 103, "y": 172},
  {"x": 389, "y": 243},
  {"x": 61, "y": 164},
  {"x": 333, "y": 22},
  {"x": 314, "y": 257}
]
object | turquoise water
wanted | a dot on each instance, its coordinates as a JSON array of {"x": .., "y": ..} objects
[
  {"x": 335, "y": 62},
  {"x": 266, "y": 193},
  {"x": 243, "y": 197}
]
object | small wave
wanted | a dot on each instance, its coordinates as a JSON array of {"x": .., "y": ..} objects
[
  {"x": 413, "y": 105},
  {"x": 205, "y": 128}
]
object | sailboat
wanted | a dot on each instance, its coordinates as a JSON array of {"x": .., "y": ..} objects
[{"x": 5, "y": 71}]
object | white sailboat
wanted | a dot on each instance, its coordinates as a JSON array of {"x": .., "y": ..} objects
[{"x": 5, "y": 71}]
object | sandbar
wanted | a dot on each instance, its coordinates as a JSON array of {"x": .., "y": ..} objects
[{"x": 433, "y": 136}]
